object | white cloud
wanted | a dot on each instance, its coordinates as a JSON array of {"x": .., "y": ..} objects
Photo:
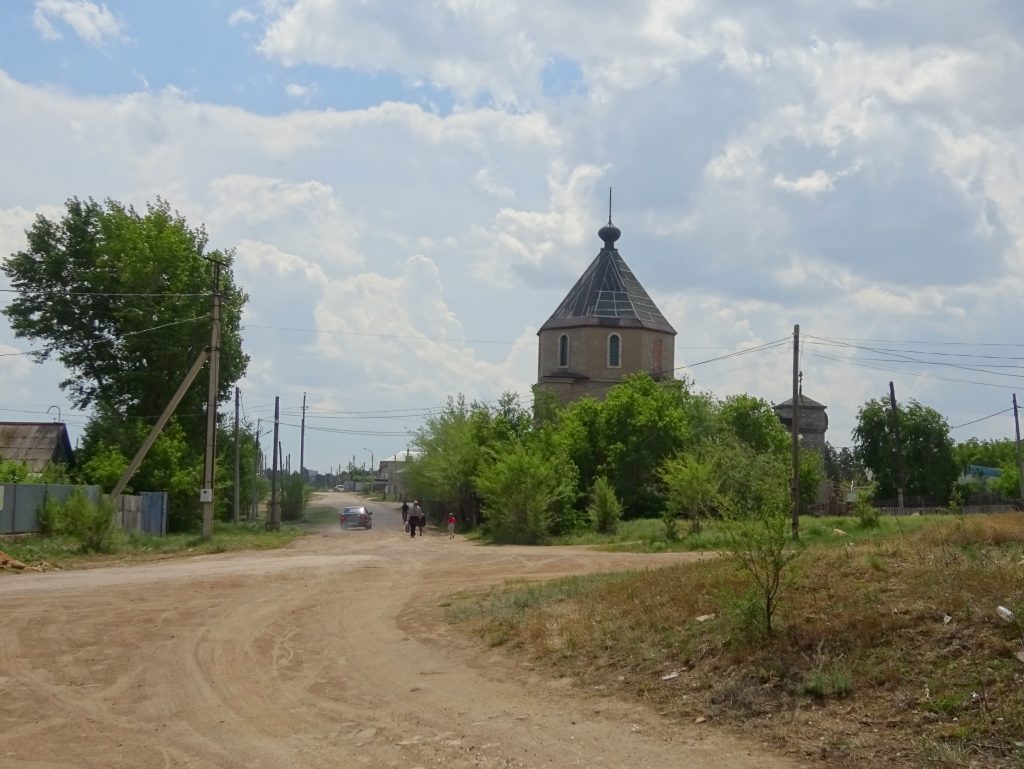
[
  {"x": 241, "y": 16},
  {"x": 814, "y": 184},
  {"x": 95, "y": 24},
  {"x": 297, "y": 91}
]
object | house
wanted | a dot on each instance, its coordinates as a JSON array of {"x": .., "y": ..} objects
[
  {"x": 606, "y": 328},
  {"x": 37, "y": 444},
  {"x": 392, "y": 470}
]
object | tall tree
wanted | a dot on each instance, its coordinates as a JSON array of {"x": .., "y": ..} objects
[
  {"x": 928, "y": 453},
  {"x": 122, "y": 299}
]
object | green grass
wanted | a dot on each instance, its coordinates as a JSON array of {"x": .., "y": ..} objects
[
  {"x": 65, "y": 552},
  {"x": 647, "y": 535},
  {"x": 895, "y": 626}
]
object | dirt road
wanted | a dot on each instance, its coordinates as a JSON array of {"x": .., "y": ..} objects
[{"x": 331, "y": 653}]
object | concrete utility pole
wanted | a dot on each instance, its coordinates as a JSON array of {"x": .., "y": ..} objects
[
  {"x": 1020, "y": 465},
  {"x": 897, "y": 447},
  {"x": 273, "y": 518},
  {"x": 795, "y": 432},
  {"x": 235, "y": 509},
  {"x": 302, "y": 441},
  {"x": 206, "y": 492}
]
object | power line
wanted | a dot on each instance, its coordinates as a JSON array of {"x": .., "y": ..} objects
[
  {"x": 43, "y": 292},
  {"x": 981, "y": 419}
]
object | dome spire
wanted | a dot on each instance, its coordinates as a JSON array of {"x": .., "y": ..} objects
[{"x": 609, "y": 233}]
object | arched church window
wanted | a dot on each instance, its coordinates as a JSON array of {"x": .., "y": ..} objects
[
  {"x": 563, "y": 351},
  {"x": 614, "y": 351}
]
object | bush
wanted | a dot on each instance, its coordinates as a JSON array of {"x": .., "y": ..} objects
[
  {"x": 295, "y": 495},
  {"x": 866, "y": 512},
  {"x": 605, "y": 509},
  {"x": 91, "y": 523}
]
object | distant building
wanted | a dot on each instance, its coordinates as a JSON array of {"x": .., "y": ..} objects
[
  {"x": 606, "y": 328},
  {"x": 813, "y": 421},
  {"x": 36, "y": 444},
  {"x": 392, "y": 470}
]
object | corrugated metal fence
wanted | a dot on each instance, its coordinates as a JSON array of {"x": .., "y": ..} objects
[{"x": 20, "y": 504}]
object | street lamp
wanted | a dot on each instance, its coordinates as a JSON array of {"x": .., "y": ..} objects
[{"x": 372, "y": 469}]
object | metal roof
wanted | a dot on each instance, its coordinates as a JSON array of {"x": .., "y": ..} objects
[
  {"x": 35, "y": 443},
  {"x": 608, "y": 294},
  {"x": 805, "y": 403}
]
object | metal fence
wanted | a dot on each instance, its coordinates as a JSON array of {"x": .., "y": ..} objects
[{"x": 20, "y": 504}]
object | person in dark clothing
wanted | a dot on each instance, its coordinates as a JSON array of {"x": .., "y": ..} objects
[{"x": 405, "y": 511}]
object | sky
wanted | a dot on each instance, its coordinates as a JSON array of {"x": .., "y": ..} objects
[{"x": 412, "y": 188}]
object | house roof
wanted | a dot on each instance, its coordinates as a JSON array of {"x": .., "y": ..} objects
[
  {"x": 608, "y": 294},
  {"x": 805, "y": 402},
  {"x": 34, "y": 443}
]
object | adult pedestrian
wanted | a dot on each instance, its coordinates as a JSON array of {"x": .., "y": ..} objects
[
  {"x": 418, "y": 518},
  {"x": 405, "y": 511},
  {"x": 451, "y": 526}
]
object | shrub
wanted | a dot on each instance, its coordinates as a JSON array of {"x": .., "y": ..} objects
[
  {"x": 91, "y": 523},
  {"x": 605, "y": 509},
  {"x": 866, "y": 512}
]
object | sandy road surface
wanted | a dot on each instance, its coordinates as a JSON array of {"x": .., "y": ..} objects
[{"x": 328, "y": 654}]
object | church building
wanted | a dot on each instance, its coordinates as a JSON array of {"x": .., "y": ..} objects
[{"x": 606, "y": 328}]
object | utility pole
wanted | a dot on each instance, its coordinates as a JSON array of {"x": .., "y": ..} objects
[
  {"x": 235, "y": 509},
  {"x": 273, "y": 518},
  {"x": 795, "y": 430},
  {"x": 254, "y": 508},
  {"x": 1020, "y": 465},
  {"x": 897, "y": 447},
  {"x": 206, "y": 492},
  {"x": 302, "y": 441}
]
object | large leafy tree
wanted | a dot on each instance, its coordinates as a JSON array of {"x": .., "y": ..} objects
[
  {"x": 928, "y": 453},
  {"x": 644, "y": 422},
  {"x": 122, "y": 299}
]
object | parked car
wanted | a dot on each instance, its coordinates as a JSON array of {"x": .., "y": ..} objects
[{"x": 356, "y": 517}]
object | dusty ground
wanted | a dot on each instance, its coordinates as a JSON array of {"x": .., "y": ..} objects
[{"x": 331, "y": 653}]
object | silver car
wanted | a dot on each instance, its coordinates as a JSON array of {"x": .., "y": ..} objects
[{"x": 355, "y": 517}]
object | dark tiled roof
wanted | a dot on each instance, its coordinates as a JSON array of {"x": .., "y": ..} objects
[
  {"x": 805, "y": 403},
  {"x": 34, "y": 443},
  {"x": 608, "y": 294}
]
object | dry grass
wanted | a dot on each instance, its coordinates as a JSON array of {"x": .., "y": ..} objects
[{"x": 887, "y": 651}]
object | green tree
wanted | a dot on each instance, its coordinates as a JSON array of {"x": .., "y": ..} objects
[
  {"x": 522, "y": 490},
  {"x": 449, "y": 459},
  {"x": 691, "y": 486},
  {"x": 929, "y": 459},
  {"x": 756, "y": 507},
  {"x": 841, "y": 465},
  {"x": 812, "y": 473},
  {"x": 643, "y": 422},
  {"x": 122, "y": 300},
  {"x": 13, "y": 472},
  {"x": 754, "y": 421},
  {"x": 605, "y": 510}
]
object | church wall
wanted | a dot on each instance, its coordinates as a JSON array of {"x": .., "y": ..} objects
[{"x": 588, "y": 372}]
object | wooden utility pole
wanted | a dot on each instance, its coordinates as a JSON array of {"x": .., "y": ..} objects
[
  {"x": 206, "y": 492},
  {"x": 235, "y": 510},
  {"x": 795, "y": 429},
  {"x": 1020, "y": 465},
  {"x": 254, "y": 508},
  {"x": 897, "y": 447},
  {"x": 302, "y": 441},
  {"x": 273, "y": 518}
]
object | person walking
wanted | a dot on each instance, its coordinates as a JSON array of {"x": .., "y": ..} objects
[
  {"x": 417, "y": 518},
  {"x": 405, "y": 511},
  {"x": 413, "y": 518},
  {"x": 451, "y": 526}
]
